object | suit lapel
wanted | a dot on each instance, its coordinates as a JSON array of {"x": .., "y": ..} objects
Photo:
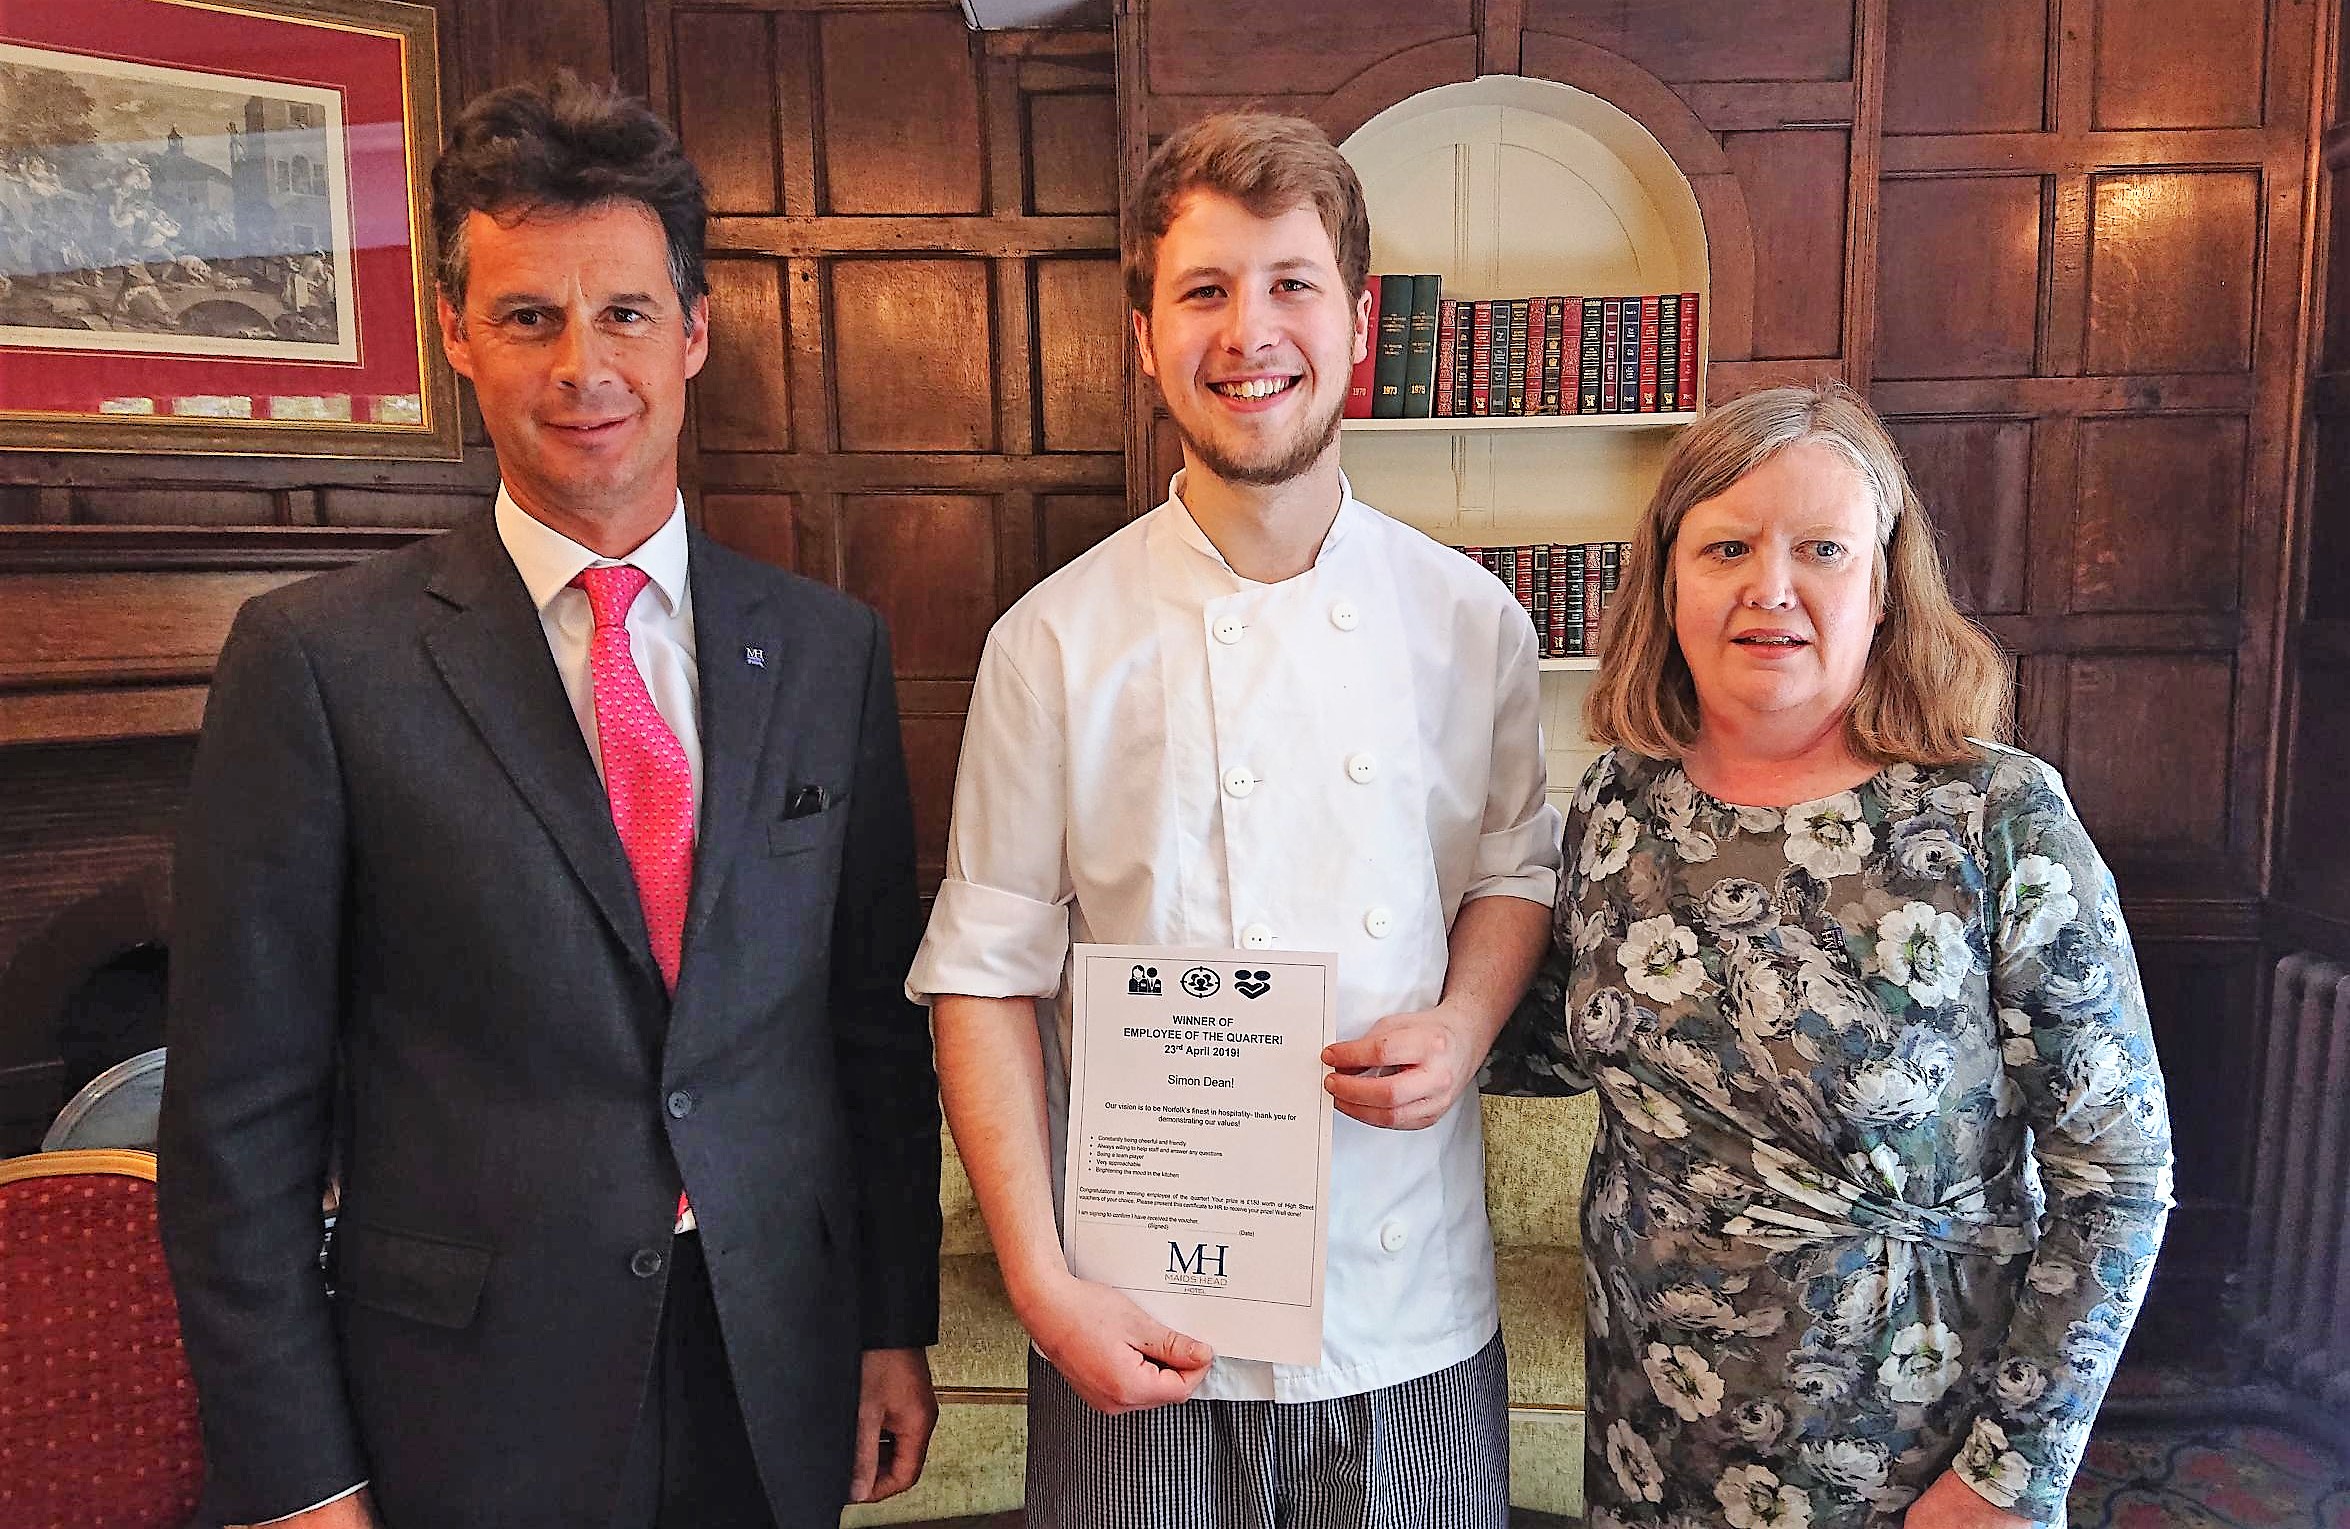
[
  {"x": 492, "y": 653},
  {"x": 743, "y": 649}
]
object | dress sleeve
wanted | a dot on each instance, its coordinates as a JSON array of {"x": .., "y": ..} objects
[
  {"x": 2080, "y": 1062},
  {"x": 1000, "y": 927},
  {"x": 1530, "y": 1056}
]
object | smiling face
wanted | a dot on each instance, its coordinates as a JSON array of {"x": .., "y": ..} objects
[
  {"x": 1252, "y": 337},
  {"x": 1774, "y": 597},
  {"x": 579, "y": 352}
]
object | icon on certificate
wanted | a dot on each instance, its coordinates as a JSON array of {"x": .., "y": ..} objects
[
  {"x": 1143, "y": 982},
  {"x": 1199, "y": 982},
  {"x": 1254, "y": 984}
]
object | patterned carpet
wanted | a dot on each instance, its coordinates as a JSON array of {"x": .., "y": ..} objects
[{"x": 2209, "y": 1476}]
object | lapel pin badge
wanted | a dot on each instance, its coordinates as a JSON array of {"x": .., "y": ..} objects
[{"x": 755, "y": 657}]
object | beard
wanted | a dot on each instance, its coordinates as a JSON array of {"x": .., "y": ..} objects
[{"x": 1279, "y": 463}]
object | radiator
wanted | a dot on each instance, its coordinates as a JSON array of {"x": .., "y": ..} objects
[{"x": 2297, "y": 1279}]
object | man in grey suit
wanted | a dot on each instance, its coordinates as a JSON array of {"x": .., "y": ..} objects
[{"x": 555, "y": 877}]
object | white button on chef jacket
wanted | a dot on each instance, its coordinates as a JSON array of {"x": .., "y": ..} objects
[{"x": 1094, "y": 803}]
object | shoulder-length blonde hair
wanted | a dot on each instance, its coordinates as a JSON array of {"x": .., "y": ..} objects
[{"x": 1934, "y": 679}]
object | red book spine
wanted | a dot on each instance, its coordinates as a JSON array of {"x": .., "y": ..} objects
[
  {"x": 1651, "y": 343},
  {"x": 1481, "y": 360},
  {"x": 1537, "y": 322},
  {"x": 1358, "y": 383},
  {"x": 1611, "y": 346},
  {"x": 1687, "y": 401},
  {"x": 1446, "y": 316},
  {"x": 1522, "y": 578}
]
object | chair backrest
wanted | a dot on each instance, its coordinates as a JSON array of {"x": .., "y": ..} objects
[
  {"x": 117, "y": 1108},
  {"x": 97, "y": 1412}
]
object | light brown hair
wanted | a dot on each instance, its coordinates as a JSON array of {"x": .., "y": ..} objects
[
  {"x": 1266, "y": 163},
  {"x": 1934, "y": 679}
]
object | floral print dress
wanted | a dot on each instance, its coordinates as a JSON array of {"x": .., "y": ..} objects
[{"x": 1883, "y": 1156}]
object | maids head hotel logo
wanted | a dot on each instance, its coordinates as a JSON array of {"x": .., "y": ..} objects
[{"x": 1197, "y": 1267}]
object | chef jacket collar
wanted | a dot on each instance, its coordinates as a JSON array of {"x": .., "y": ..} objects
[{"x": 1350, "y": 510}]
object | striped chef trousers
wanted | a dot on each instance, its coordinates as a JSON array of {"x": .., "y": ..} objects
[{"x": 1429, "y": 1453}]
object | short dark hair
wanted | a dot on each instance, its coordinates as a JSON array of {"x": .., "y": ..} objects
[
  {"x": 566, "y": 146},
  {"x": 1269, "y": 164}
]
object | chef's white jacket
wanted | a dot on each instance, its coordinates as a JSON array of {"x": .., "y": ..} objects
[{"x": 1161, "y": 752}]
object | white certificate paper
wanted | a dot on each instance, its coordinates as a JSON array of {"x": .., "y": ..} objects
[{"x": 1198, "y": 1177}]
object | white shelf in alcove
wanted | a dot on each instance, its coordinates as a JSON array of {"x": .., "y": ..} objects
[
  {"x": 1454, "y": 425},
  {"x": 1569, "y": 665}
]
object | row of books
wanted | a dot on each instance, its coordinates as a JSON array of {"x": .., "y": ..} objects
[
  {"x": 1566, "y": 589},
  {"x": 1440, "y": 357}
]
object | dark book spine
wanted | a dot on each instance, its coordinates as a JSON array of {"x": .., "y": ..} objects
[
  {"x": 1491, "y": 558},
  {"x": 1440, "y": 397},
  {"x": 1554, "y": 353},
  {"x": 1554, "y": 638},
  {"x": 1360, "y": 385},
  {"x": 1395, "y": 324},
  {"x": 1519, "y": 322},
  {"x": 1628, "y": 358},
  {"x": 1463, "y": 344},
  {"x": 1419, "y": 367},
  {"x": 1611, "y": 351},
  {"x": 1668, "y": 351},
  {"x": 1481, "y": 361},
  {"x": 1587, "y": 367},
  {"x": 1502, "y": 318},
  {"x": 1577, "y": 647},
  {"x": 1650, "y": 313},
  {"x": 1691, "y": 337},
  {"x": 1541, "y": 593}
]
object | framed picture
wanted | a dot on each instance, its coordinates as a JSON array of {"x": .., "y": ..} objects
[{"x": 214, "y": 228}]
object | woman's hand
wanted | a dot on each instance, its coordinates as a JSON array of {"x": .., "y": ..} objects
[{"x": 1951, "y": 1504}]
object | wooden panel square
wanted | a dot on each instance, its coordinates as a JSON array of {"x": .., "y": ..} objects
[
  {"x": 927, "y": 563},
  {"x": 1794, "y": 184},
  {"x": 2146, "y": 755},
  {"x": 763, "y": 526},
  {"x": 1166, "y": 455},
  {"x": 2171, "y": 261},
  {"x": 1683, "y": 40},
  {"x": 933, "y": 745},
  {"x": 394, "y": 507},
  {"x": 901, "y": 113},
  {"x": 1073, "y": 153},
  {"x": 2336, "y": 275},
  {"x": 1975, "y": 476},
  {"x": 1075, "y": 522},
  {"x": 1958, "y": 276},
  {"x": 2329, "y": 521},
  {"x": 2314, "y": 847},
  {"x": 1208, "y": 47},
  {"x": 2159, "y": 524},
  {"x": 913, "y": 356},
  {"x": 2179, "y": 63},
  {"x": 1975, "y": 68},
  {"x": 1081, "y": 330},
  {"x": 742, "y": 401},
  {"x": 726, "y": 107}
]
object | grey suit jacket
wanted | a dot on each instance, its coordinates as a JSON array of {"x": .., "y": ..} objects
[{"x": 404, "y": 918}]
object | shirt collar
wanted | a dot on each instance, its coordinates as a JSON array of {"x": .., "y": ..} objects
[
  {"x": 548, "y": 560},
  {"x": 1350, "y": 509}
]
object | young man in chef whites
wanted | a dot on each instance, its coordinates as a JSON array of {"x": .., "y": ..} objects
[{"x": 1262, "y": 716}]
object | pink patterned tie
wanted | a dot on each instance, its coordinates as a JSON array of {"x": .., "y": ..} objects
[{"x": 645, "y": 770}]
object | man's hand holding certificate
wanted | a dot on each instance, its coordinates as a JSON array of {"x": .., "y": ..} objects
[{"x": 1199, "y": 1140}]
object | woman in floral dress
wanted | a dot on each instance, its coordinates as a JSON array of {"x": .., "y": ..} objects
[{"x": 1884, "y": 1156}]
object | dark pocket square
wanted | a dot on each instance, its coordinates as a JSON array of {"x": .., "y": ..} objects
[{"x": 806, "y": 802}]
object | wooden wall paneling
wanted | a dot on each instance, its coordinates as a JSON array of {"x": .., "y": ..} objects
[
  {"x": 1980, "y": 68},
  {"x": 1975, "y": 477},
  {"x": 1958, "y": 276},
  {"x": 1685, "y": 40},
  {"x": 2161, "y": 521},
  {"x": 1074, "y": 522},
  {"x": 2173, "y": 261},
  {"x": 913, "y": 355},
  {"x": 1863, "y": 194},
  {"x": 743, "y": 397},
  {"x": 1796, "y": 185},
  {"x": 901, "y": 113},
  {"x": 764, "y": 526},
  {"x": 2179, "y": 63},
  {"x": 1306, "y": 48},
  {"x": 2148, "y": 758},
  {"x": 895, "y": 549},
  {"x": 726, "y": 110},
  {"x": 1083, "y": 335}
]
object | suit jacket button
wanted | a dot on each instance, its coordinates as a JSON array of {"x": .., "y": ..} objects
[
  {"x": 644, "y": 1263},
  {"x": 681, "y": 1104}
]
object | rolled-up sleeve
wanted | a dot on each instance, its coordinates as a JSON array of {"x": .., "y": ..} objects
[
  {"x": 1000, "y": 927},
  {"x": 1518, "y": 842}
]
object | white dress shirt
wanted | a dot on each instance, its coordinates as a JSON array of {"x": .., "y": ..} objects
[
  {"x": 1162, "y": 752},
  {"x": 661, "y": 635}
]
